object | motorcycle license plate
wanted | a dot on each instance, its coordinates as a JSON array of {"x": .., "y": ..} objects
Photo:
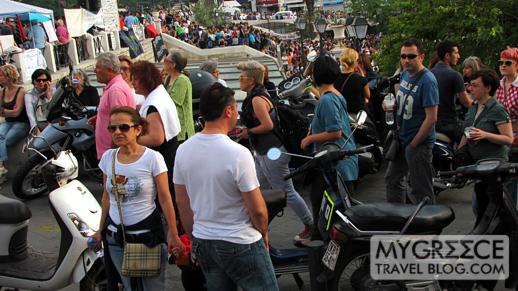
[{"x": 331, "y": 255}]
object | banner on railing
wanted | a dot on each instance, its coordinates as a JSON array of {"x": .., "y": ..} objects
[
  {"x": 159, "y": 48},
  {"x": 129, "y": 40}
]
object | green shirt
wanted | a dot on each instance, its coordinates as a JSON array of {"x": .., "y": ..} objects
[
  {"x": 181, "y": 93},
  {"x": 496, "y": 114}
]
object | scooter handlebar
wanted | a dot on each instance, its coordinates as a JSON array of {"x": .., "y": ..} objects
[{"x": 330, "y": 156}]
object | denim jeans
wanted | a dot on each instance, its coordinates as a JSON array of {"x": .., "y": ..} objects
[
  {"x": 416, "y": 163},
  {"x": 10, "y": 133},
  {"x": 271, "y": 175},
  {"x": 227, "y": 265},
  {"x": 146, "y": 283}
]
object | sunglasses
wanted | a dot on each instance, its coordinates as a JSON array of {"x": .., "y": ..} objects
[
  {"x": 507, "y": 63},
  {"x": 41, "y": 80},
  {"x": 408, "y": 56},
  {"x": 122, "y": 127}
]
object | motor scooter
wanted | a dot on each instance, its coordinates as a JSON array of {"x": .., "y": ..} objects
[
  {"x": 347, "y": 257},
  {"x": 77, "y": 213},
  {"x": 67, "y": 129}
]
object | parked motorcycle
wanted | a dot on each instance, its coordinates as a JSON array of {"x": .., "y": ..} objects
[
  {"x": 78, "y": 214},
  {"x": 295, "y": 261},
  {"x": 68, "y": 129},
  {"x": 348, "y": 252}
]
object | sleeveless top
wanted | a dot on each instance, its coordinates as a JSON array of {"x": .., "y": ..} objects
[
  {"x": 22, "y": 117},
  {"x": 262, "y": 142}
]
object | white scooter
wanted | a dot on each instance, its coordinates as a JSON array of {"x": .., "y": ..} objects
[{"x": 78, "y": 215}]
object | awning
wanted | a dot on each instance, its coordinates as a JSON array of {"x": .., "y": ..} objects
[
  {"x": 267, "y": 2},
  {"x": 232, "y": 3},
  {"x": 327, "y": 3}
]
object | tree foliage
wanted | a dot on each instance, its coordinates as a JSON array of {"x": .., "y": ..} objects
[
  {"x": 205, "y": 13},
  {"x": 482, "y": 28}
]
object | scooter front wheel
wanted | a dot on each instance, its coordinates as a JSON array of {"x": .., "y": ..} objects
[
  {"x": 28, "y": 182},
  {"x": 95, "y": 279}
]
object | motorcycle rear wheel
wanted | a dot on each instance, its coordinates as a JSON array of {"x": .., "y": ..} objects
[{"x": 28, "y": 182}]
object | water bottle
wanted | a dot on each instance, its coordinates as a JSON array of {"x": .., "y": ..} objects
[{"x": 389, "y": 102}]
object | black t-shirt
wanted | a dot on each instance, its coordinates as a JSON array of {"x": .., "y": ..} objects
[
  {"x": 352, "y": 90},
  {"x": 89, "y": 96},
  {"x": 450, "y": 82}
]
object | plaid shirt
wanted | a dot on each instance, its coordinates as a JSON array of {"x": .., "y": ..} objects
[{"x": 510, "y": 101}]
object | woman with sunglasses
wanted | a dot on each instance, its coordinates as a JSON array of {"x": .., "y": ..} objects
[
  {"x": 16, "y": 123},
  {"x": 179, "y": 87},
  {"x": 140, "y": 178},
  {"x": 37, "y": 100},
  {"x": 507, "y": 93}
]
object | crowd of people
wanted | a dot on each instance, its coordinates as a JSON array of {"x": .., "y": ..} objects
[{"x": 149, "y": 151}]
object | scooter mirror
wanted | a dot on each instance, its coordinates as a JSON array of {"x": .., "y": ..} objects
[
  {"x": 274, "y": 154},
  {"x": 361, "y": 117}
]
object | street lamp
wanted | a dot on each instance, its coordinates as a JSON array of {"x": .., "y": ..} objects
[
  {"x": 321, "y": 26},
  {"x": 300, "y": 24},
  {"x": 357, "y": 29}
]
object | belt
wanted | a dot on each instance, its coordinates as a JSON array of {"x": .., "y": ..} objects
[{"x": 112, "y": 233}]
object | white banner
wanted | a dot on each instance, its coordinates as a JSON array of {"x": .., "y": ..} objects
[
  {"x": 51, "y": 32},
  {"x": 74, "y": 18},
  {"x": 33, "y": 60}
]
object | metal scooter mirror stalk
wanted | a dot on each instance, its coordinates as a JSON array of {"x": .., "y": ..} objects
[
  {"x": 275, "y": 153},
  {"x": 360, "y": 119}
]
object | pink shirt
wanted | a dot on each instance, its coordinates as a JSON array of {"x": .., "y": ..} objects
[
  {"x": 62, "y": 34},
  {"x": 116, "y": 93}
]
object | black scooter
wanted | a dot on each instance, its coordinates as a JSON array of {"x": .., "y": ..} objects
[{"x": 347, "y": 254}]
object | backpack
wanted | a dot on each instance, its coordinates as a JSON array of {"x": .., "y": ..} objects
[{"x": 293, "y": 127}]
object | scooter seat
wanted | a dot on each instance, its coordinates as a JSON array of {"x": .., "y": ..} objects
[
  {"x": 393, "y": 216},
  {"x": 275, "y": 202},
  {"x": 13, "y": 211},
  {"x": 442, "y": 137}
]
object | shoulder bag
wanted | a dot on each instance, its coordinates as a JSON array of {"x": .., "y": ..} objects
[
  {"x": 138, "y": 260},
  {"x": 392, "y": 142}
]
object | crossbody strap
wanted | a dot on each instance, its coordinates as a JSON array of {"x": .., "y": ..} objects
[
  {"x": 345, "y": 82},
  {"x": 418, "y": 77},
  {"x": 117, "y": 196}
]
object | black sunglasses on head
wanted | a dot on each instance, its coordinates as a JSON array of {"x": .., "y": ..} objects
[
  {"x": 507, "y": 63},
  {"x": 408, "y": 56},
  {"x": 122, "y": 127}
]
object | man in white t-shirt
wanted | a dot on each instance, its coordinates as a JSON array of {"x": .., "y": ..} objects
[{"x": 221, "y": 206}]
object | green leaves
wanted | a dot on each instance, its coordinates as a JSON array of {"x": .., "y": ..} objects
[{"x": 482, "y": 28}]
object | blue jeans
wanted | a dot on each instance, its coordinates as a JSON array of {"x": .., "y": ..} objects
[
  {"x": 146, "y": 283},
  {"x": 271, "y": 175},
  {"x": 10, "y": 133},
  {"x": 227, "y": 265}
]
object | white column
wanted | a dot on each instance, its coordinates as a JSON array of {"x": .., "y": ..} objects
[
  {"x": 72, "y": 52},
  {"x": 50, "y": 57}
]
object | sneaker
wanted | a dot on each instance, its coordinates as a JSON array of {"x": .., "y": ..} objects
[{"x": 304, "y": 235}]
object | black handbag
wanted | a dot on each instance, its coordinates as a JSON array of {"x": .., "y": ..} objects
[{"x": 392, "y": 145}]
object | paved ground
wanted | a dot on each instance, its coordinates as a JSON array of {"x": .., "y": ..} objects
[{"x": 44, "y": 232}]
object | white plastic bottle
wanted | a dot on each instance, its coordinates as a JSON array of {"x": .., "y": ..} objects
[{"x": 389, "y": 102}]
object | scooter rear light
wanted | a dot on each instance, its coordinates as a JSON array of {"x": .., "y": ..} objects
[{"x": 337, "y": 234}]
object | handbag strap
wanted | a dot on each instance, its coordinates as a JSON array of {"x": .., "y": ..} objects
[
  {"x": 117, "y": 196},
  {"x": 345, "y": 82},
  {"x": 418, "y": 77}
]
